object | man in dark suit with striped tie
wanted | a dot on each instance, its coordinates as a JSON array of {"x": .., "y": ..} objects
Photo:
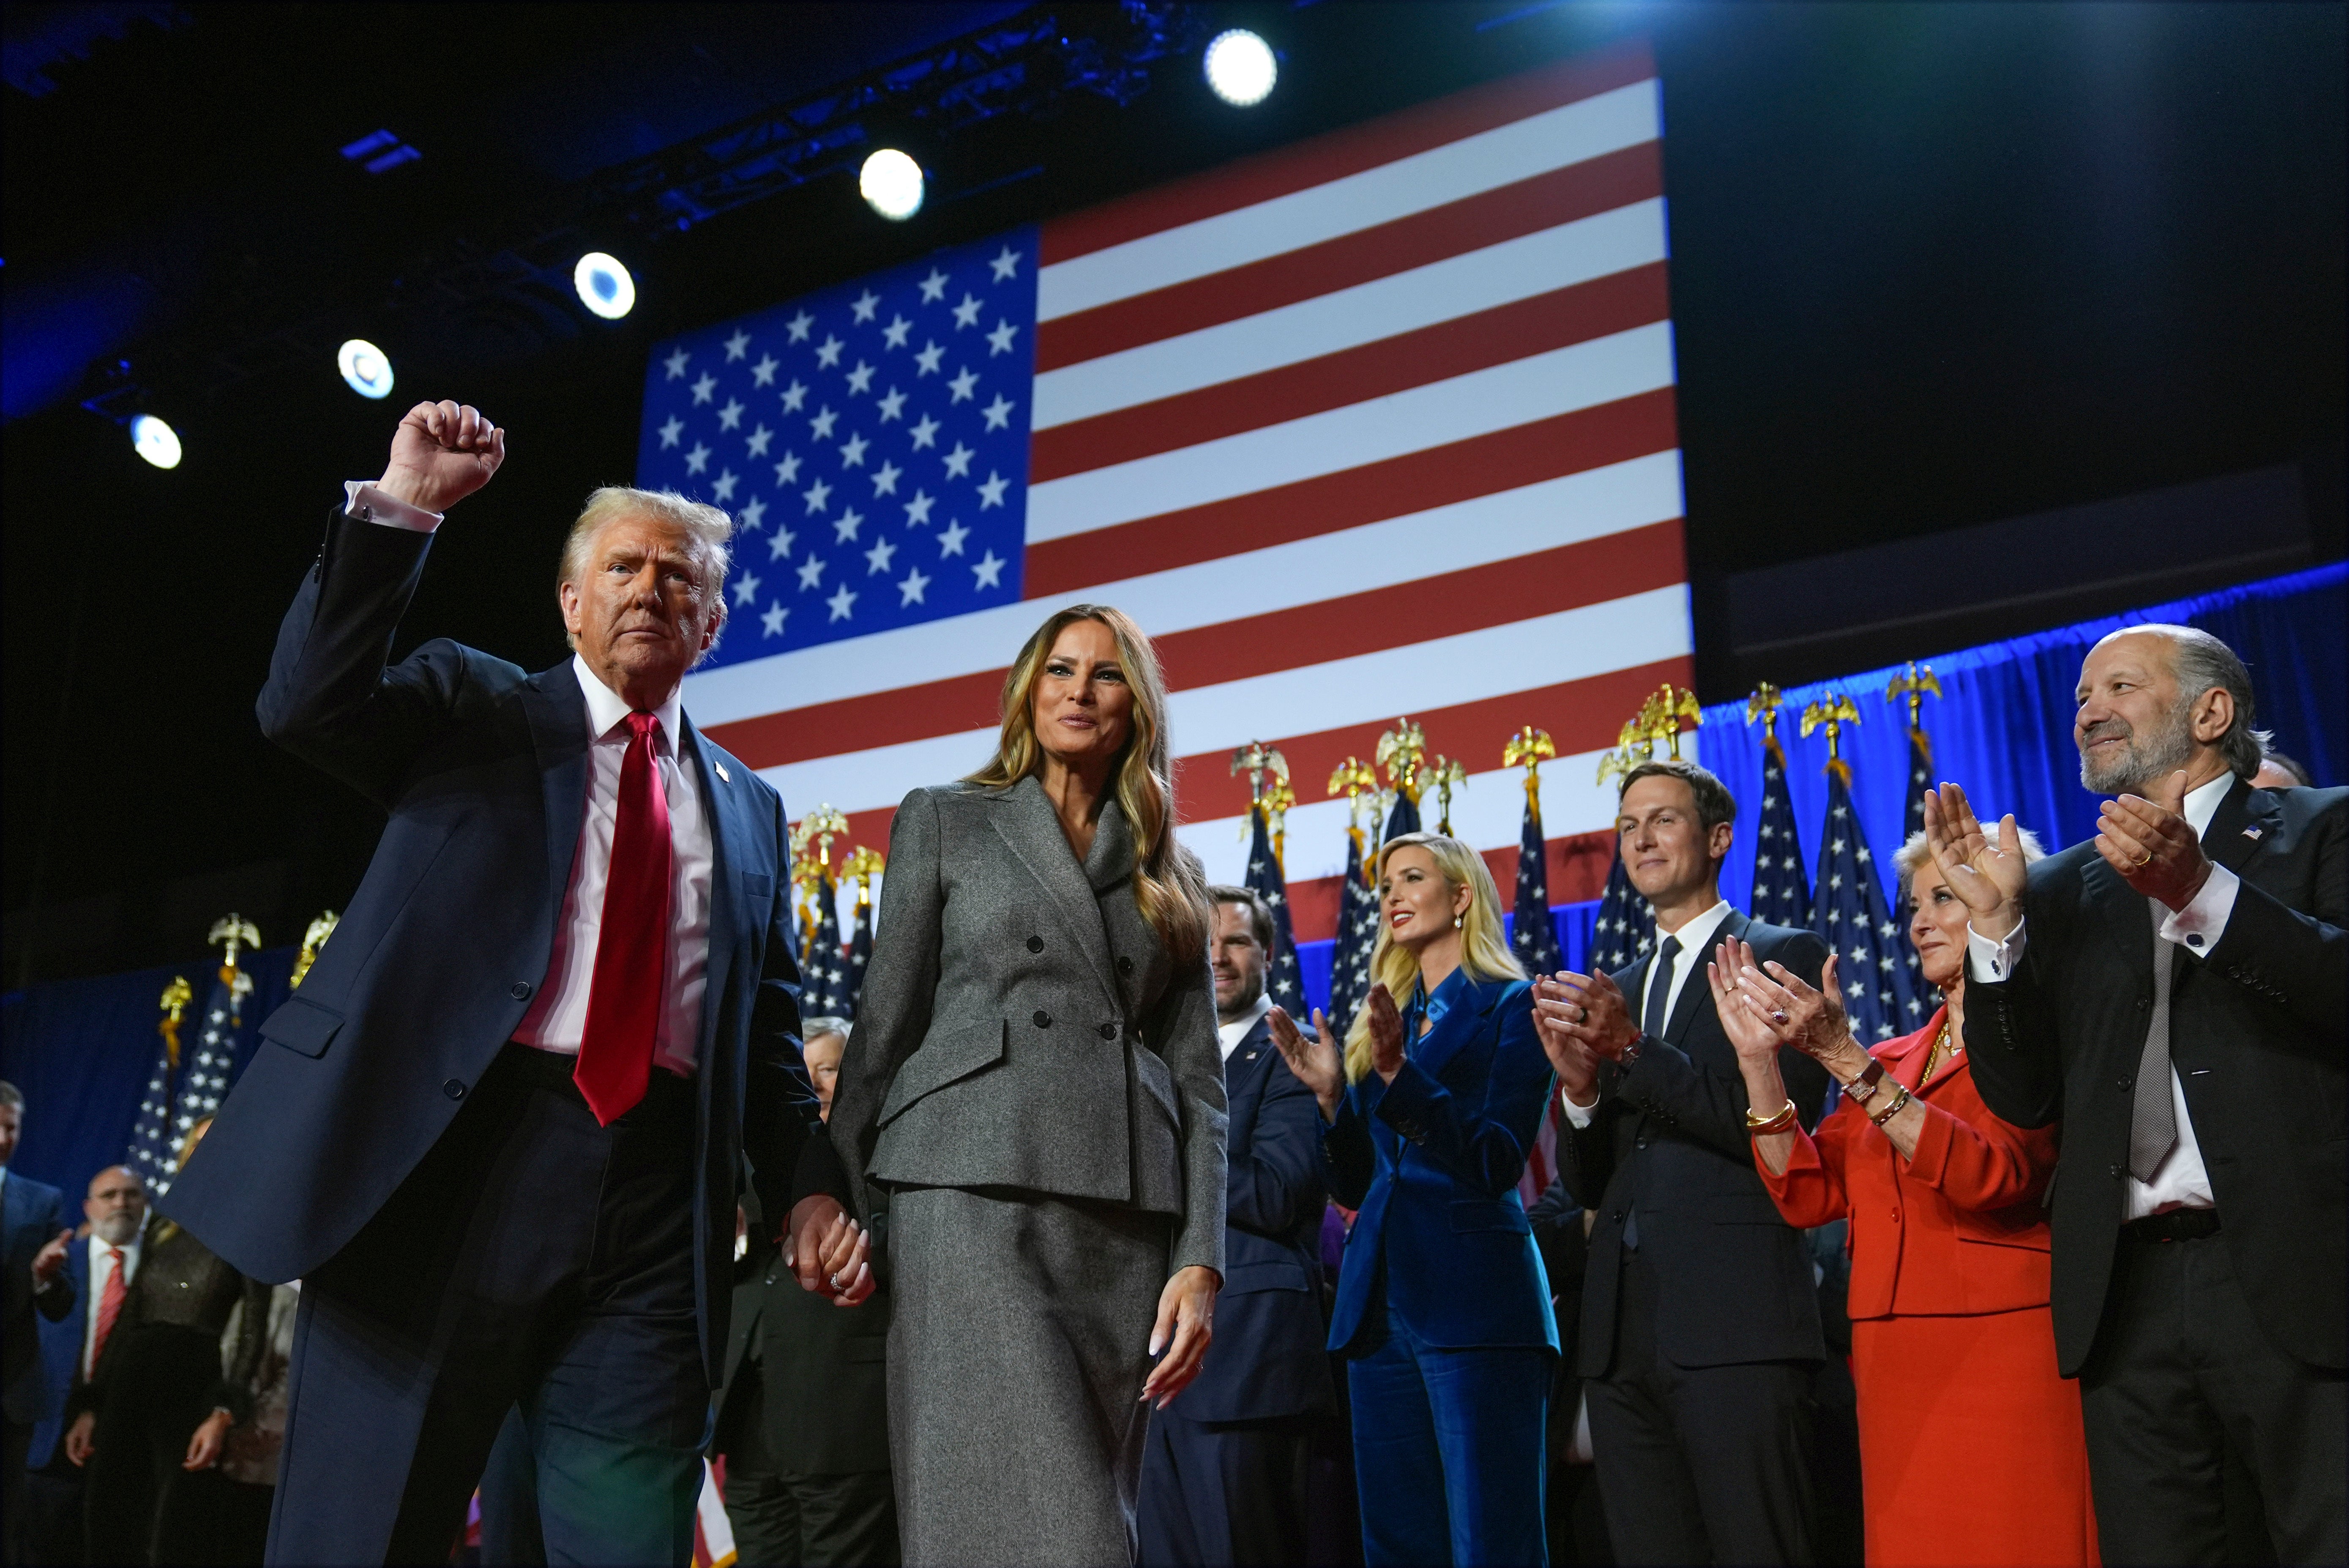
[
  {"x": 1224, "y": 1476},
  {"x": 1700, "y": 1321}
]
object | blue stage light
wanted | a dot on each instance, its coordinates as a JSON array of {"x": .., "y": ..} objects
[
  {"x": 604, "y": 286},
  {"x": 156, "y": 441},
  {"x": 891, "y": 182},
  {"x": 366, "y": 368},
  {"x": 1240, "y": 67}
]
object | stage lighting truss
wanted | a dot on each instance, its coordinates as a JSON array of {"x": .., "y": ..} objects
[
  {"x": 156, "y": 441},
  {"x": 1240, "y": 67},
  {"x": 366, "y": 369},
  {"x": 1026, "y": 64},
  {"x": 604, "y": 286}
]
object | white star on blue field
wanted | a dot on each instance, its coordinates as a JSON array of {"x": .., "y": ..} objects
[{"x": 870, "y": 440}]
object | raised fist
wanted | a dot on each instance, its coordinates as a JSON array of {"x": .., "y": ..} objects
[{"x": 441, "y": 453}]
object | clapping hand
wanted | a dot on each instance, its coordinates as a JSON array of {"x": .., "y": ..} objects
[
  {"x": 441, "y": 453},
  {"x": 2152, "y": 845},
  {"x": 1386, "y": 1032},
  {"x": 1987, "y": 877},
  {"x": 1588, "y": 1009},
  {"x": 1752, "y": 1034},
  {"x": 1810, "y": 1019},
  {"x": 1316, "y": 1061}
]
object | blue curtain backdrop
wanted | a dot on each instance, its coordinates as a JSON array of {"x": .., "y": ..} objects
[
  {"x": 2003, "y": 725},
  {"x": 2002, "y": 728},
  {"x": 81, "y": 1050}
]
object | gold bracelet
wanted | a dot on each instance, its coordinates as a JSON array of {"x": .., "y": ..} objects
[
  {"x": 1888, "y": 1112},
  {"x": 1764, "y": 1126}
]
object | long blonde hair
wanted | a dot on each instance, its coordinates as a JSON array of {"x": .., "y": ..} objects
[
  {"x": 1483, "y": 951},
  {"x": 1170, "y": 888}
]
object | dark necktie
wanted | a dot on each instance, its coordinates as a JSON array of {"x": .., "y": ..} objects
[
  {"x": 2153, "y": 1119},
  {"x": 1657, "y": 1012},
  {"x": 616, "y": 1049}
]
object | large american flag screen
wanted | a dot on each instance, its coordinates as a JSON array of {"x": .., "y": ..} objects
[{"x": 1377, "y": 425}]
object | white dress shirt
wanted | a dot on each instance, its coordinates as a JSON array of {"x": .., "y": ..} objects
[
  {"x": 102, "y": 1262},
  {"x": 557, "y": 1018},
  {"x": 2181, "y": 1180},
  {"x": 558, "y": 1014},
  {"x": 1695, "y": 938},
  {"x": 1231, "y": 1035}
]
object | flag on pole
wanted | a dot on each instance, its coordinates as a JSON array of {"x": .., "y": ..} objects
[
  {"x": 1849, "y": 911},
  {"x": 860, "y": 957},
  {"x": 1782, "y": 888},
  {"x": 1428, "y": 358},
  {"x": 199, "y": 1087},
  {"x": 1532, "y": 937},
  {"x": 826, "y": 993},
  {"x": 1915, "y": 1008},
  {"x": 1625, "y": 928},
  {"x": 1358, "y": 933},
  {"x": 1282, "y": 981}
]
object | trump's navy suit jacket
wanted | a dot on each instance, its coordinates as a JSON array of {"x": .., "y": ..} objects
[
  {"x": 483, "y": 771},
  {"x": 1431, "y": 1161},
  {"x": 1266, "y": 1360}
]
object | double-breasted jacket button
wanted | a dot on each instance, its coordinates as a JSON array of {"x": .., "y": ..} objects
[
  {"x": 1109, "y": 1031},
  {"x": 2126, "y": 1080},
  {"x": 1043, "y": 1019},
  {"x": 519, "y": 990},
  {"x": 454, "y": 1088},
  {"x": 1124, "y": 965},
  {"x": 1035, "y": 944}
]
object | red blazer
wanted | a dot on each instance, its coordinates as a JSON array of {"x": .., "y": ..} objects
[{"x": 1960, "y": 1228}]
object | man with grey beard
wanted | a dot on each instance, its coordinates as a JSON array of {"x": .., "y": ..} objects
[{"x": 2175, "y": 990}]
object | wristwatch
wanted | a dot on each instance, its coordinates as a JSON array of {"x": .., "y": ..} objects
[{"x": 1862, "y": 1089}]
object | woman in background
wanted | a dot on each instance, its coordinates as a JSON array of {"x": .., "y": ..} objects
[
  {"x": 1443, "y": 1311},
  {"x": 1970, "y": 1444}
]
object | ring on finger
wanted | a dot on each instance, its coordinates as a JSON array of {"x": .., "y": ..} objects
[
  {"x": 2148, "y": 859},
  {"x": 1778, "y": 1015}
]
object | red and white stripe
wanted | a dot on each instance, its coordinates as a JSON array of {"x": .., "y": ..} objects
[{"x": 1378, "y": 424}]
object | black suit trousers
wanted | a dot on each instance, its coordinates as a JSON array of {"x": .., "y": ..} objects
[
  {"x": 534, "y": 1258},
  {"x": 1707, "y": 1464},
  {"x": 783, "y": 1519},
  {"x": 1224, "y": 1492},
  {"x": 2182, "y": 1376}
]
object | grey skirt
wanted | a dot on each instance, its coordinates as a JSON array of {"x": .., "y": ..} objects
[{"x": 1017, "y": 1355}]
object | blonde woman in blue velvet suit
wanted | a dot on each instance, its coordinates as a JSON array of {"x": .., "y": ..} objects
[{"x": 1442, "y": 1307}]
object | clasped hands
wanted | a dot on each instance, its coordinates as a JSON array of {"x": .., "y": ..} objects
[{"x": 830, "y": 1253}]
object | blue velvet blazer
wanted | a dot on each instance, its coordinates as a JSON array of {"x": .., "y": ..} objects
[{"x": 1431, "y": 1162}]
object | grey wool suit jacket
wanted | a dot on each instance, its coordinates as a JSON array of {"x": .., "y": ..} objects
[{"x": 1022, "y": 1026}]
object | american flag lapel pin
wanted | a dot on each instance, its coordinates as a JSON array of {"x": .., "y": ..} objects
[{"x": 2251, "y": 833}]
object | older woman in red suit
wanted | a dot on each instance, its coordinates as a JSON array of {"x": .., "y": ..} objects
[{"x": 1971, "y": 1449}]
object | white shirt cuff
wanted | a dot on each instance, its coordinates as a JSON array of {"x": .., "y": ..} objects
[
  {"x": 363, "y": 502},
  {"x": 1579, "y": 1114},
  {"x": 1990, "y": 961},
  {"x": 2197, "y": 927}
]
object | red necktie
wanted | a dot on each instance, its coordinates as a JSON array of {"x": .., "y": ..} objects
[
  {"x": 616, "y": 1049},
  {"x": 109, "y": 1306}
]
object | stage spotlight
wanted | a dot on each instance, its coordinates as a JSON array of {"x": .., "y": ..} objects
[
  {"x": 604, "y": 286},
  {"x": 1240, "y": 67},
  {"x": 365, "y": 369},
  {"x": 891, "y": 182},
  {"x": 156, "y": 441}
]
